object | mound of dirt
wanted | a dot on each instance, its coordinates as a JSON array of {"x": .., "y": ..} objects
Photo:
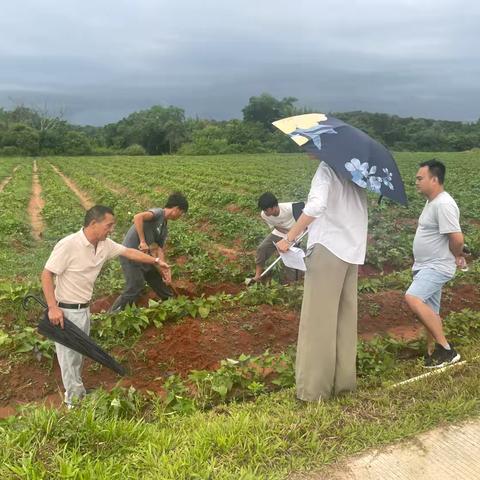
[{"x": 195, "y": 344}]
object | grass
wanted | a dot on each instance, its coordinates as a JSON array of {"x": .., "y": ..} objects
[
  {"x": 122, "y": 434},
  {"x": 265, "y": 439}
]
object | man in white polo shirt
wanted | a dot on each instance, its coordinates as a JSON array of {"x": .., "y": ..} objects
[
  {"x": 337, "y": 219},
  {"x": 68, "y": 279}
]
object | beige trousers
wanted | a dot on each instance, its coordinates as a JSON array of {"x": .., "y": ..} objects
[{"x": 327, "y": 337}]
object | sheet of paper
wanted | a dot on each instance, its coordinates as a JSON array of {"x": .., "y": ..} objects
[{"x": 293, "y": 258}]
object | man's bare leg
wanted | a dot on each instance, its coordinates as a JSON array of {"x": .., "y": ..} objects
[{"x": 431, "y": 320}]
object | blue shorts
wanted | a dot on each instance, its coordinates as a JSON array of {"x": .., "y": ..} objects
[{"x": 427, "y": 285}]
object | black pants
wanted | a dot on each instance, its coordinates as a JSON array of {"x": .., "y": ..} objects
[{"x": 135, "y": 276}]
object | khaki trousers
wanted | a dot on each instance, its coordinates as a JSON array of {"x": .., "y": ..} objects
[{"x": 327, "y": 337}]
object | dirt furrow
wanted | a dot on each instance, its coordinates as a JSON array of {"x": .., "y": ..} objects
[
  {"x": 195, "y": 344},
  {"x": 116, "y": 189},
  {"x": 36, "y": 205},
  {"x": 7, "y": 179},
  {"x": 85, "y": 200}
]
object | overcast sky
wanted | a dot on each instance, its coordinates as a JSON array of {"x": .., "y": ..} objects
[{"x": 101, "y": 60}]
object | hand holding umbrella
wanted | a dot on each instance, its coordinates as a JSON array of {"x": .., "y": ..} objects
[
  {"x": 55, "y": 315},
  {"x": 73, "y": 337}
]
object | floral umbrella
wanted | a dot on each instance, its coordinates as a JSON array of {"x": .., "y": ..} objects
[{"x": 348, "y": 150}]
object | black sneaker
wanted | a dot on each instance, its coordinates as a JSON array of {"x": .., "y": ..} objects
[
  {"x": 427, "y": 360},
  {"x": 442, "y": 357}
]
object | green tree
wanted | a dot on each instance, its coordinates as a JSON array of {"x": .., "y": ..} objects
[
  {"x": 265, "y": 109},
  {"x": 159, "y": 130},
  {"x": 134, "y": 150},
  {"x": 76, "y": 143},
  {"x": 24, "y": 138}
]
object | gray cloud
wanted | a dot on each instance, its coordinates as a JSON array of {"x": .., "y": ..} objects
[{"x": 102, "y": 60}]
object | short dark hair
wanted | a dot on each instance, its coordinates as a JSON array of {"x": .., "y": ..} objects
[
  {"x": 177, "y": 199},
  {"x": 267, "y": 200},
  {"x": 97, "y": 213},
  {"x": 436, "y": 169}
]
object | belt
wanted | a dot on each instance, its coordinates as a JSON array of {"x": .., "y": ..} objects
[{"x": 73, "y": 306}]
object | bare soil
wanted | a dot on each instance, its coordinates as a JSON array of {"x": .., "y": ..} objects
[
  {"x": 36, "y": 205},
  {"x": 195, "y": 344}
]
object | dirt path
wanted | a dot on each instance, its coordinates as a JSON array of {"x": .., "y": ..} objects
[
  {"x": 36, "y": 205},
  {"x": 85, "y": 200},
  {"x": 7, "y": 179}
]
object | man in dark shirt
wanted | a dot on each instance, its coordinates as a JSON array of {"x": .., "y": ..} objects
[{"x": 149, "y": 233}]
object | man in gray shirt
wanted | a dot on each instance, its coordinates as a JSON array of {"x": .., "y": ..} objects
[
  {"x": 148, "y": 234},
  {"x": 437, "y": 251}
]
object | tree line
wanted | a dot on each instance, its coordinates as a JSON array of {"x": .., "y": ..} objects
[{"x": 166, "y": 130}]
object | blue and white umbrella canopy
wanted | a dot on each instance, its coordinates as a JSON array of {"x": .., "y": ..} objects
[{"x": 349, "y": 151}]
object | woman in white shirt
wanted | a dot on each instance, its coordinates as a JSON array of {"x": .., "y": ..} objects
[{"x": 337, "y": 217}]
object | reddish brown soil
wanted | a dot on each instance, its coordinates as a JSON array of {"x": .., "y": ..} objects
[
  {"x": 181, "y": 260},
  {"x": 205, "y": 226},
  {"x": 386, "y": 312},
  {"x": 195, "y": 344},
  {"x": 233, "y": 208},
  {"x": 230, "y": 254},
  {"x": 368, "y": 270}
]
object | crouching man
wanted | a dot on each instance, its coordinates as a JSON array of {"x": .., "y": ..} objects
[{"x": 280, "y": 217}]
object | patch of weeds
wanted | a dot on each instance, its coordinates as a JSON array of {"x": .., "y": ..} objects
[{"x": 374, "y": 309}]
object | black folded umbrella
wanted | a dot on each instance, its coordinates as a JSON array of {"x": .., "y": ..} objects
[{"x": 73, "y": 337}]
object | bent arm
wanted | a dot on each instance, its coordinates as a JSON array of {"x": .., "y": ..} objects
[
  {"x": 300, "y": 225},
  {"x": 455, "y": 243},
  {"x": 138, "y": 220}
]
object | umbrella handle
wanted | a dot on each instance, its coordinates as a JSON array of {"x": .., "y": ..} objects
[{"x": 27, "y": 297}]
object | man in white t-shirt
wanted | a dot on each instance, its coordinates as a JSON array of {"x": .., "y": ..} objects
[
  {"x": 68, "y": 279},
  {"x": 280, "y": 217},
  {"x": 437, "y": 250},
  {"x": 337, "y": 219}
]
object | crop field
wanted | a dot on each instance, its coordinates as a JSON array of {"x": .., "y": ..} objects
[{"x": 209, "y": 393}]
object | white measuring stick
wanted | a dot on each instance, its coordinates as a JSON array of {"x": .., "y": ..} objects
[
  {"x": 433, "y": 372},
  {"x": 279, "y": 258}
]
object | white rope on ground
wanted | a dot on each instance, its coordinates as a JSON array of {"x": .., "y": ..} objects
[{"x": 433, "y": 372}]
